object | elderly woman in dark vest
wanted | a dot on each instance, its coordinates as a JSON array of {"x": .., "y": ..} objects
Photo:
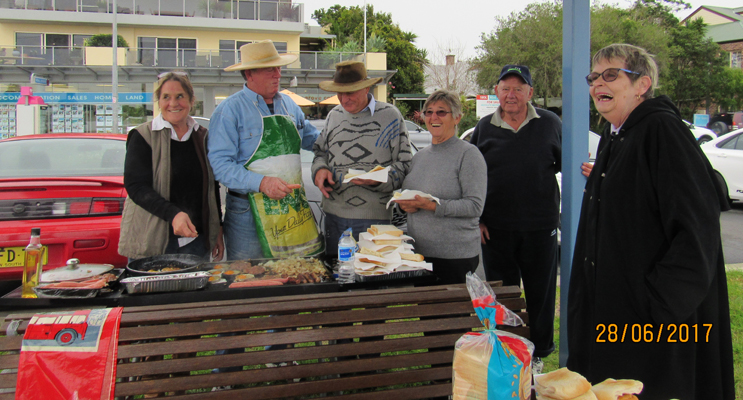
[
  {"x": 173, "y": 200},
  {"x": 648, "y": 295}
]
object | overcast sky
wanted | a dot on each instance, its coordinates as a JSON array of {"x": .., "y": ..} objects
[{"x": 440, "y": 23}]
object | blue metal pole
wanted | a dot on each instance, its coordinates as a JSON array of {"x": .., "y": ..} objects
[{"x": 576, "y": 43}]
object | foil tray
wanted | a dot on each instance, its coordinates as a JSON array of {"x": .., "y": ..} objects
[
  {"x": 182, "y": 282},
  {"x": 392, "y": 276}
]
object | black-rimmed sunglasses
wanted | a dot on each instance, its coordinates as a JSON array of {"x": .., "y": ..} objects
[
  {"x": 609, "y": 75},
  {"x": 439, "y": 113}
]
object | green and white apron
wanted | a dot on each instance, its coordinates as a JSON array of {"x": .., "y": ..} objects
[{"x": 285, "y": 227}]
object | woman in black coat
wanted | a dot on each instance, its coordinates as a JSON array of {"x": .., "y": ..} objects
[{"x": 648, "y": 295}]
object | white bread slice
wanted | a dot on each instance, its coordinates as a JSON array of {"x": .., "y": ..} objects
[
  {"x": 411, "y": 257},
  {"x": 612, "y": 389},
  {"x": 387, "y": 242},
  {"x": 382, "y": 229},
  {"x": 370, "y": 252},
  {"x": 386, "y": 249}
]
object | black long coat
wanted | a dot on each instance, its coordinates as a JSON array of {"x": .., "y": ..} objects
[{"x": 649, "y": 255}]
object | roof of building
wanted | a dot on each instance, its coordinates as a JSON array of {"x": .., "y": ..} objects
[
  {"x": 730, "y": 13},
  {"x": 724, "y": 32},
  {"x": 729, "y": 32}
]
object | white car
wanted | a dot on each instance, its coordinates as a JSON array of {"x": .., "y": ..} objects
[
  {"x": 726, "y": 156},
  {"x": 702, "y": 134}
]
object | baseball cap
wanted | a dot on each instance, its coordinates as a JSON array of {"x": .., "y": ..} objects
[{"x": 520, "y": 70}]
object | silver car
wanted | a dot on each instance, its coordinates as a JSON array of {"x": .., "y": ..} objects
[{"x": 418, "y": 136}]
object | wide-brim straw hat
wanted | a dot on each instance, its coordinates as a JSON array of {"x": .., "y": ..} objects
[
  {"x": 261, "y": 54},
  {"x": 350, "y": 76}
]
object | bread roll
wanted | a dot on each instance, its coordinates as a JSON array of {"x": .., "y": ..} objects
[
  {"x": 411, "y": 257},
  {"x": 562, "y": 384},
  {"x": 586, "y": 396},
  {"x": 612, "y": 389}
]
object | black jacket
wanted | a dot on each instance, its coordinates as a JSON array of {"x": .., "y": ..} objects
[
  {"x": 522, "y": 192},
  {"x": 648, "y": 257}
]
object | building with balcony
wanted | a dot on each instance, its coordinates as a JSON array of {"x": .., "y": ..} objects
[{"x": 47, "y": 38}]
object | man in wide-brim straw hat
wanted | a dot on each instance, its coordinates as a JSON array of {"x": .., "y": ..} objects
[
  {"x": 360, "y": 133},
  {"x": 243, "y": 132}
]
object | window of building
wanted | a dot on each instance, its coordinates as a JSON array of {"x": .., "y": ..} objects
[
  {"x": 54, "y": 48},
  {"x": 29, "y": 43},
  {"x": 229, "y": 51},
  {"x": 736, "y": 59},
  {"x": 280, "y": 46},
  {"x": 79, "y": 40},
  {"x": 166, "y": 52}
]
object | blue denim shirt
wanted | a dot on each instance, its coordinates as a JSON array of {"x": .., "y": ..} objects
[{"x": 236, "y": 129}]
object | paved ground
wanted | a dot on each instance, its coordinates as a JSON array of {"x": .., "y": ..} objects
[{"x": 734, "y": 267}]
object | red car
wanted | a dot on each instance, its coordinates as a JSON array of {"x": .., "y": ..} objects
[{"x": 71, "y": 185}]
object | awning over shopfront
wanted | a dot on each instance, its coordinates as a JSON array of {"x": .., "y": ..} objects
[
  {"x": 331, "y": 101},
  {"x": 301, "y": 101}
]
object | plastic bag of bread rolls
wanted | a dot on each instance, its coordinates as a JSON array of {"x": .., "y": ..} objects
[{"x": 491, "y": 364}]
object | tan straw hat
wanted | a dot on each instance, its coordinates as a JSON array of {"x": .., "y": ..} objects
[
  {"x": 261, "y": 54},
  {"x": 350, "y": 76}
]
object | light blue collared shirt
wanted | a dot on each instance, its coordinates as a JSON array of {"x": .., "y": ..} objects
[
  {"x": 372, "y": 104},
  {"x": 236, "y": 129}
]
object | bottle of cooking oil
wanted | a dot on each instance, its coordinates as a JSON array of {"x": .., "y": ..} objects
[{"x": 32, "y": 265}]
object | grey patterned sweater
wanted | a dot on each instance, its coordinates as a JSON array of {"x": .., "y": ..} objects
[{"x": 362, "y": 141}]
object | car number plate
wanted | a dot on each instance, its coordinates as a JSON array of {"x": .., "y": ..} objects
[{"x": 11, "y": 257}]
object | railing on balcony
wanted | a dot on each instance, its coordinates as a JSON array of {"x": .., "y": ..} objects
[
  {"x": 38, "y": 55},
  {"x": 161, "y": 58},
  {"x": 257, "y": 10}
]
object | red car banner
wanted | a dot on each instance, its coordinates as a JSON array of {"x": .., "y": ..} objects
[{"x": 69, "y": 355}]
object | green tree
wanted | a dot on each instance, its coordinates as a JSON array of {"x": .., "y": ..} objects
[
  {"x": 347, "y": 23},
  {"x": 533, "y": 37},
  {"x": 729, "y": 89},
  {"x": 104, "y": 40},
  {"x": 469, "y": 115},
  {"x": 698, "y": 65}
]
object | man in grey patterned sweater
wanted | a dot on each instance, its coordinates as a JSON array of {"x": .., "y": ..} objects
[{"x": 360, "y": 133}]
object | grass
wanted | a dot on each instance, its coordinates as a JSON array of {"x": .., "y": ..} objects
[{"x": 735, "y": 294}]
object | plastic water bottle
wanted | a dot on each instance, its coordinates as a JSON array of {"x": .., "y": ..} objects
[{"x": 346, "y": 255}]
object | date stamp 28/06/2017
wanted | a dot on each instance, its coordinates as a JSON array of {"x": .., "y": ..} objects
[{"x": 649, "y": 333}]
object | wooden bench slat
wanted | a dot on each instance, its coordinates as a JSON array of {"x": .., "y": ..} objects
[
  {"x": 417, "y": 392},
  {"x": 292, "y": 321},
  {"x": 406, "y": 337},
  {"x": 9, "y": 361},
  {"x": 286, "y": 373},
  {"x": 276, "y": 356}
]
